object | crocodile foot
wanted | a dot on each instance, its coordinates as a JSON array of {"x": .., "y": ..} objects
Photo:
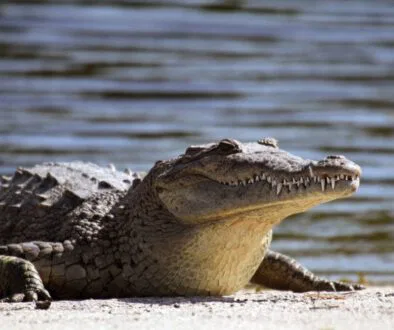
[
  {"x": 28, "y": 295},
  {"x": 20, "y": 281},
  {"x": 41, "y": 297}
]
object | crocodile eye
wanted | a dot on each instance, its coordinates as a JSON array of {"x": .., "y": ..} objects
[
  {"x": 269, "y": 142},
  {"x": 228, "y": 146},
  {"x": 224, "y": 147}
]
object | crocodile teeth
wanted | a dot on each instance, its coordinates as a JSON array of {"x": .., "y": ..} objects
[
  {"x": 42, "y": 197},
  {"x": 323, "y": 185},
  {"x": 300, "y": 182},
  {"x": 278, "y": 188}
]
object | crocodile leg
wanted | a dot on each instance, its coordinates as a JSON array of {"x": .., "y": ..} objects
[
  {"x": 281, "y": 272},
  {"x": 20, "y": 281}
]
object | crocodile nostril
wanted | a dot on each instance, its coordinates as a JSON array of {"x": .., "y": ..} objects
[{"x": 335, "y": 157}]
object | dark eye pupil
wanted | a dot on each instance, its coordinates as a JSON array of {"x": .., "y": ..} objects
[
  {"x": 228, "y": 146},
  {"x": 225, "y": 146}
]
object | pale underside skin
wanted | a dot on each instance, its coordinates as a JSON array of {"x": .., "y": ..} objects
[{"x": 199, "y": 224}]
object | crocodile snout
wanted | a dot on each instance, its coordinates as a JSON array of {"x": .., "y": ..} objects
[
  {"x": 337, "y": 164},
  {"x": 335, "y": 160}
]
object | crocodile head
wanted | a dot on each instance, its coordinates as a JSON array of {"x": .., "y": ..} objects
[{"x": 257, "y": 180}]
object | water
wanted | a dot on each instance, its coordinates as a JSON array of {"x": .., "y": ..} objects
[{"x": 131, "y": 82}]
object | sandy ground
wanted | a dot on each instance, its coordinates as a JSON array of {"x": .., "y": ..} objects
[{"x": 370, "y": 309}]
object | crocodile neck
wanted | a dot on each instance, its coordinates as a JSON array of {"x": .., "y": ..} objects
[{"x": 215, "y": 257}]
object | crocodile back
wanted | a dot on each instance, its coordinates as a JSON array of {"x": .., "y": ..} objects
[{"x": 59, "y": 201}]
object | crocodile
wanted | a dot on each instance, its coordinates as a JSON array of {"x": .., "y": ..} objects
[{"x": 198, "y": 224}]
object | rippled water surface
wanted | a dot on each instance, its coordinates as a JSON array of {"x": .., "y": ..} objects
[{"x": 131, "y": 82}]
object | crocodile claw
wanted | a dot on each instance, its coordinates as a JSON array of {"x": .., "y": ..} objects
[
  {"x": 335, "y": 286},
  {"x": 41, "y": 297},
  {"x": 341, "y": 286}
]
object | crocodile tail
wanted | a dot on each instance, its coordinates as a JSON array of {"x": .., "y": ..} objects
[{"x": 36, "y": 250}]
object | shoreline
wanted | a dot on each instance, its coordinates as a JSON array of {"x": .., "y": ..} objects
[{"x": 372, "y": 308}]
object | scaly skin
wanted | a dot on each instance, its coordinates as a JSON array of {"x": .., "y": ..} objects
[{"x": 199, "y": 224}]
